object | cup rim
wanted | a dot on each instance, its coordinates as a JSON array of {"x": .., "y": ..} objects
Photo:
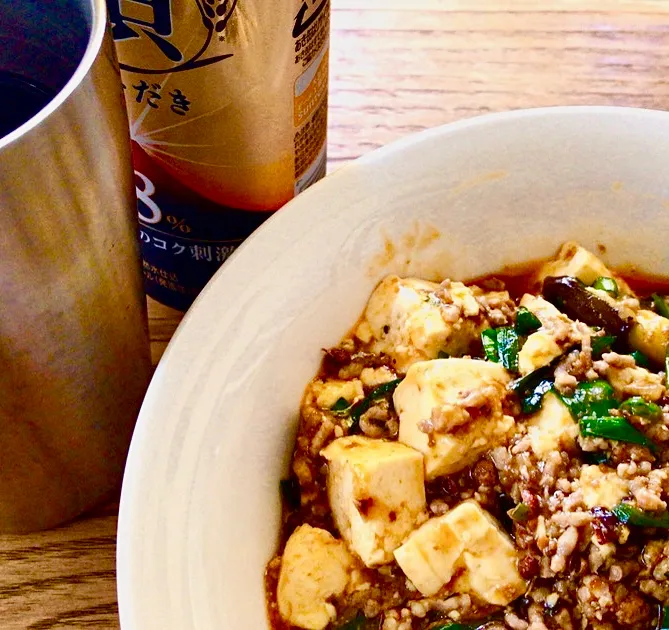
[{"x": 97, "y": 33}]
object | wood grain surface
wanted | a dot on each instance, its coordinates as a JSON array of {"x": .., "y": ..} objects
[{"x": 397, "y": 66}]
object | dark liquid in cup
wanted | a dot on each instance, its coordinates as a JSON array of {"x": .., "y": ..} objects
[{"x": 21, "y": 99}]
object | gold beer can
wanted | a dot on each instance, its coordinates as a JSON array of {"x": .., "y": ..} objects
[{"x": 227, "y": 101}]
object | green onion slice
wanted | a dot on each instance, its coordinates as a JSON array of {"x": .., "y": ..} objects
[
  {"x": 613, "y": 428},
  {"x": 526, "y": 321},
  {"x": 630, "y": 515},
  {"x": 609, "y": 285},
  {"x": 661, "y": 305},
  {"x": 638, "y": 406}
]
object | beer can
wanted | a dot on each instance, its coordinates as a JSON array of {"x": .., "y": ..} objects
[{"x": 227, "y": 101}]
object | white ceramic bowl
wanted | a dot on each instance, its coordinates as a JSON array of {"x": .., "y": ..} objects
[{"x": 200, "y": 505}]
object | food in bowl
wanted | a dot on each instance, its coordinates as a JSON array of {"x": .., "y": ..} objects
[{"x": 484, "y": 455}]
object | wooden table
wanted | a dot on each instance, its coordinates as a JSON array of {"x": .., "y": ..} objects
[{"x": 398, "y": 66}]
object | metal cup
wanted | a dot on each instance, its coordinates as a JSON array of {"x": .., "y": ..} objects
[{"x": 74, "y": 352}]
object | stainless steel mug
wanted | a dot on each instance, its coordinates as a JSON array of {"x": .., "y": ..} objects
[{"x": 74, "y": 352}]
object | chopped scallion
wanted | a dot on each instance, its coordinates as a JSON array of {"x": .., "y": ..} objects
[
  {"x": 609, "y": 285},
  {"x": 631, "y": 515},
  {"x": 500, "y": 345},
  {"x": 507, "y": 346},
  {"x": 613, "y": 428},
  {"x": 641, "y": 359},
  {"x": 526, "y": 321},
  {"x": 341, "y": 407},
  {"x": 661, "y": 305},
  {"x": 591, "y": 398},
  {"x": 638, "y": 406},
  {"x": 489, "y": 341},
  {"x": 533, "y": 400},
  {"x": 602, "y": 344},
  {"x": 520, "y": 513}
]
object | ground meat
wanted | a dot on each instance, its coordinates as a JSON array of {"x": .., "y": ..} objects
[
  {"x": 393, "y": 621},
  {"x": 562, "y": 620},
  {"x": 632, "y": 609},
  {"x": 578, "y": 363},
  {"x": 500, "y": 457},
  {"x": 595, "y": 597},
  {"x": 593, "y": 444},
  {"x": 585, "y": 569},
  {"x": 439, "y": 507},
  {"x": 453, "y": 311},
  {"x": 647, "y": 491},
  {"x": 461, "y": 603},
  {"x": 448, "y": 417},
  {"x": 484, "y": 473},
  {"x": 571, "y": 519},
  {"x": 379, "y": 421},
  {"x": 616, "y": 573},
  {"x": 565, "y": 547},
  {"x": 615, "y": 360},
  {"x": 498, "y": 306},
  {"x": 346, "y": 361},
  {"x": 622, "y": 452},
  {"x": 599, "y": 555},
  {"x": 629, "y": 470},
  {"x": 565, "y": 382},
  {"x": 656, "y": 589},
  {"x": 321, "y": 436},
  {"x": 470, "y": 405},
  {"x": 552, "y": 470},
  {"x": 536, "y": 617},
  {"x": 450, "y": 313},
  {"x": 627, "y": 379},
  {"x": 514, "y": 622},
  {"x": 371, "y": 608}
]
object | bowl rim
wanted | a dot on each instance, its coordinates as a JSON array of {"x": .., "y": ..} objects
[{"x": 131, "y": 513}]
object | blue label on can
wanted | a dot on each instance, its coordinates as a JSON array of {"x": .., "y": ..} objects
[{"x": 185, "y": 241}]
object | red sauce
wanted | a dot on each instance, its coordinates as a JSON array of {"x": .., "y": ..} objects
[{"x": 645, "y": 284}]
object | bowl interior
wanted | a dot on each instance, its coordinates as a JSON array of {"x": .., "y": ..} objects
[{"x": 200, "y": 506}]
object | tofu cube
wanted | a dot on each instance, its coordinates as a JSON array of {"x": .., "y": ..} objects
[
  {"x": 650, "y": 335},
  {"x": 404, "y": 320},
  {"x": 315, "y": 567},
  {"x": 602, "y": 488},
  {"x": 576, "y": 261},
  {"x": 376, "y": 491},
  {"x": 430, "y": 556},
  {"x": 490, "y": 557},
  {"x": 550, "y": 341},
  {"x": 539, "y": 349},
  {"x": 552, "y": 427},
  {"x": 468, "y": 544},
  {"x": 445, "y": 387}
]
